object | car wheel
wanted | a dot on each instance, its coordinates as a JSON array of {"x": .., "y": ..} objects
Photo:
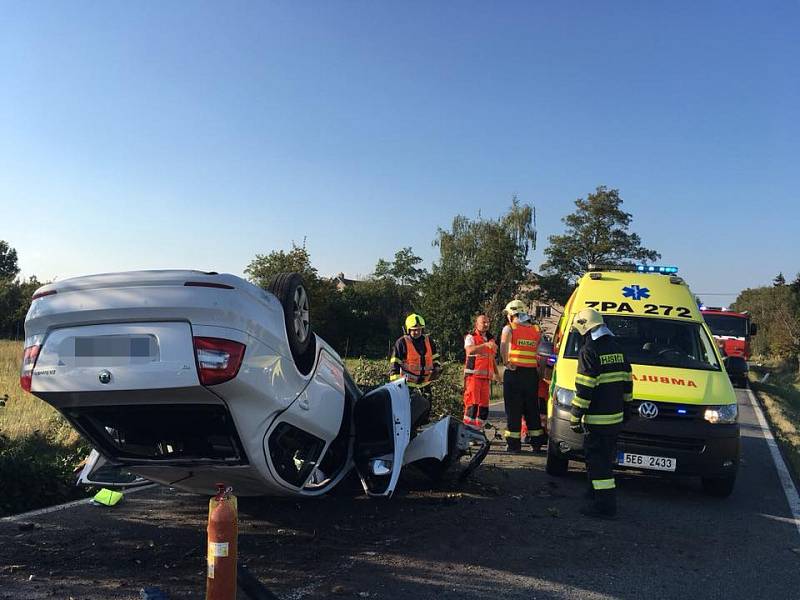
[
  {"x": 557, "y": 465},
  {"x": 290, "y": 290},
  {"x": 719, "y": 487}
]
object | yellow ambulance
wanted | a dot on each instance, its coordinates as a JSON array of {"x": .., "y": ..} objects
[{"x": 684, "y": 415}]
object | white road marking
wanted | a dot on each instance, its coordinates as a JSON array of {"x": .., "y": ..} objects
[
  {"x": 783, "y": 473},
  {"x": 52, "y": 509}
]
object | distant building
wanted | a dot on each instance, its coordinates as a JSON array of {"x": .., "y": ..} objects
[
  {"x": 545, "y": 312},
  {"x": 342, "y": 282}
]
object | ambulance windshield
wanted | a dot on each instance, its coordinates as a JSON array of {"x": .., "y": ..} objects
[{"x": 657, "y": 342}]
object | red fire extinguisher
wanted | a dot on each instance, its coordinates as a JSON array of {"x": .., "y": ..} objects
[{"x": 223, "y": 530}]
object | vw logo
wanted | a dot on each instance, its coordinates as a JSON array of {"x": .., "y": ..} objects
[
  {"x": 648, "y": 410},
  {"x": 105, "y": 377}
]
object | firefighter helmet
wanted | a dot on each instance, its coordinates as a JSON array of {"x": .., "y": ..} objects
[
  {"x": 586, "y": 320},
  {"x": 413, "y": 321},
  {"x": 514, "y": 307}
]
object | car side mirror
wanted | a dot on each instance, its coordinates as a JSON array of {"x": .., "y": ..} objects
[{"x": 753, "y": 328}]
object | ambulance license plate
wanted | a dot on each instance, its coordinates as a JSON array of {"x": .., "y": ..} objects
[{"x": 642, "y": 461}]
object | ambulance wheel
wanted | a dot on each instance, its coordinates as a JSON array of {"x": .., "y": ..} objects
[
  {"x": 557, "y": 465},
  {"x": 719, "y": 487},
  {"x": 290, "y": 290}
]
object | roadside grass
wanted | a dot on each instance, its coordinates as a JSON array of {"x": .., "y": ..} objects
[
  {"x": 780, "y": 396},
  {"x": 38, "y": 448},
  {"x": 23, "y": 413}
]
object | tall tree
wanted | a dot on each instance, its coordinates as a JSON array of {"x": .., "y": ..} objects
[
  {"x": 403, "y": 270},
  {"x": 8, "y": 261},
  {"x": 481, "y": 265},
  {"x": 779, "y": 280},
  {"x": 597, "y": 233}
]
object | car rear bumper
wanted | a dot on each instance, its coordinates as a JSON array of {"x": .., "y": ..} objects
[{"x": 698, "y": 447}]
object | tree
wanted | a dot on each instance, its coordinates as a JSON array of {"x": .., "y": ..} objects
[
  {"x": 8, "y": 261},
  {"x": 776, "y": 311},
  {"x": 779, "y": 280},
  {"x": 481, "y": 264},
  {"x": 403, "y": 270},
  {"x": 264, "y": 267},
  {"x": 795, "y": 285},
  {"x": 597, "y": 233}
]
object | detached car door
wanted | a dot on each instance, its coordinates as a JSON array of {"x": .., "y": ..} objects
[{"x": 382, "y": 420}]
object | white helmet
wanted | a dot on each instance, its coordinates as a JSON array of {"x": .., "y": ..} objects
[{"x": 586, "y": 320}]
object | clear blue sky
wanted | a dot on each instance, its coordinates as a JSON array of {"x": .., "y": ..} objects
[{"x": 188, "y": 134}]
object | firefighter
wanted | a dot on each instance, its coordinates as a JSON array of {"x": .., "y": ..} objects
[
  {"x": 604, "y": 389},
  {"x": 518, "y": 349},
  {"x": 415, "y": 356},
  {"x": 480, "y": 368}
]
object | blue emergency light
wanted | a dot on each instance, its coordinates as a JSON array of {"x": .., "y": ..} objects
[{"x": 656, "y": 269}]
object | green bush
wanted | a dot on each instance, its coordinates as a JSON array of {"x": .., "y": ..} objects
[
  {"x": 446, "y": 392},
  {"x": 37, "y": 471}
]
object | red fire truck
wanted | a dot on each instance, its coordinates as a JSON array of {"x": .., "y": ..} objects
[{"x": 732, "y": 330}]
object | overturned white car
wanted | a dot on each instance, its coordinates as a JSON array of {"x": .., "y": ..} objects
[{"x": 190, "y": 379}]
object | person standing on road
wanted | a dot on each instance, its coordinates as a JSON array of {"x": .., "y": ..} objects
[
  {"x": 480, "y": 368},
  {"x": 518, "y": 349},
  {"x": 603, "y": 391},
  {"x": 415, "y": 356}
]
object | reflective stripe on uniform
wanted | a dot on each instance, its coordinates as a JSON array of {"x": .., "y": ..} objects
[
  {"x": 394, "y": 359},
  {"x": 586, "y": 380},
  {"x": 603, "y": 484},
  {"x": 394, "y": 376},
  {"x": 574, "y": 419},
  {"x": 477, "y": 372},
  {"x": 535, "y": 432},
  {"x": 612, "y": 419},
  {"x": 580, "y": 402},
  {"x": 613, "y": 377},
  {"x": 512, "y": 434}
]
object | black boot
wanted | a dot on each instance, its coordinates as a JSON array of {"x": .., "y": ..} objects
[{"x": 514, "y": 446}]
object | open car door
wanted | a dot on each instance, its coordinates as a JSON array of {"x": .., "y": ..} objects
[
  {"x": 382, "y": 421},
  {"x": 98, "y": 471}
]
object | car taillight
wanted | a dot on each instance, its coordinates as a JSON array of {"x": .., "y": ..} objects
[
  {"x": 29, "y": 356},
  {"x": 218, "y": 360}
]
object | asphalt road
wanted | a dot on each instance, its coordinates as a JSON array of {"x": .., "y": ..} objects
[{"x": 511, "y": 532}]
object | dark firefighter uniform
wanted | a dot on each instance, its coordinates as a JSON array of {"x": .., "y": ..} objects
[
  {"x": 603, "y": 388},
  {"x": 521, "y": 384},
  {"x": 416, "y": 359}
]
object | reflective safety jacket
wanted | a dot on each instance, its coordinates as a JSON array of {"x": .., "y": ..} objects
[
  {"x": 522, "y": 351},
  {"x": 603, "y": 385},
  {"x": 480, "y": 364},
  {"x": 414, "y": 360}
]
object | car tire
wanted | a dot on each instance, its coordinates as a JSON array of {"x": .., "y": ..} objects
[
  {"x": 291, "y": 292},
  {"x": 557, "y": 465},
  {"x": 719, "y": 487}
]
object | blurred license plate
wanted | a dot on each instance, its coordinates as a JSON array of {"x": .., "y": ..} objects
[{"x": 642, "y": 461}]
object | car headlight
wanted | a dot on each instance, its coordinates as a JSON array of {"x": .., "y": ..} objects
[
  {"x": 564, "y": 396},
  {"x": 727, "y": 413}
]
